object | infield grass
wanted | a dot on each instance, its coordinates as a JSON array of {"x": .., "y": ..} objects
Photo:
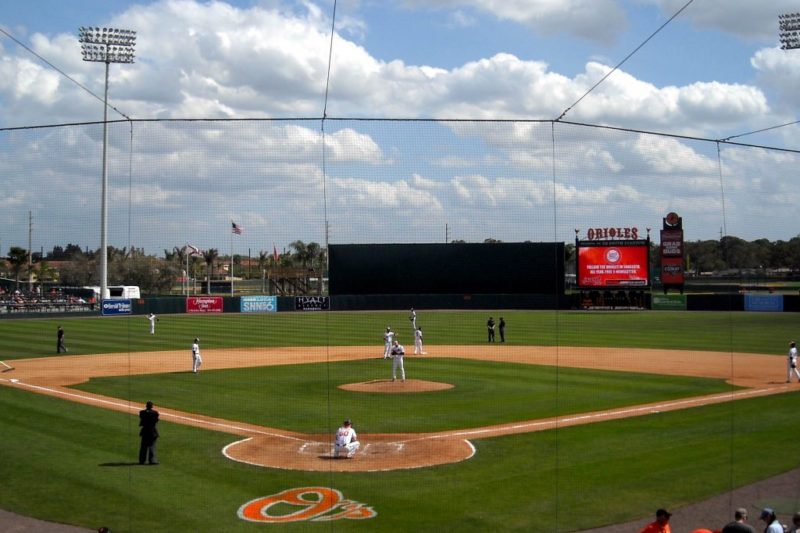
[{"x": 306, "y": 398}]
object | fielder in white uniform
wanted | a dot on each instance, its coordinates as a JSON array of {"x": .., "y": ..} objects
[
  {"x": 346, "y": 441},
  {"x": 791, "y": 363},
  {"x": 152, "y": 318},
  {"x": 397, "y": 361},
  {"x": 387, "y": 342},
  {"x": 418, "y": 342},
  {"x": 196, "y": 359},
  {"x": 413, "y": 318}
]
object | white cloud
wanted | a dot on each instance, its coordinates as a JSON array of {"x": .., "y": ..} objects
[
  {"x": 744, "y": 18},
  {"x": 575, "y": 17}
]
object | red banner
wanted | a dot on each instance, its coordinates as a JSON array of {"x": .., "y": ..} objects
[
  {"x": 672, "y": 257},
  {"x": 672, "y": 270},
  {"x": 204, "y": 304},
  {"x": 612, "y": 266}
]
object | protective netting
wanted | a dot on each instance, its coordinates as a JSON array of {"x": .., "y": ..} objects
[{"x": 295, "y": 186}]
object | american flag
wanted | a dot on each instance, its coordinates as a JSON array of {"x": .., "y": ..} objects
[
  {"x": 193, "y": 250},
  {"x": 236, "y": 228},
  {"x": 275, "y": 253}
]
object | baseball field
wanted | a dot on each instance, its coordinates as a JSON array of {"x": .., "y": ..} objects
[{"x": 580, "y": 420}]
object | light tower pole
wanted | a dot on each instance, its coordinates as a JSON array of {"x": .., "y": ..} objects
[{"x": 106, "y": 45}]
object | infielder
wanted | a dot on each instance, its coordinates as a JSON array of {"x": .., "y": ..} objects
[
  {"x": 196, "y": 359},
  {"x": 418, "y": 342},
  {"x": 346, "y": 441},
  {"x": 791, "y": 363},
  {"x": 397, "y": 361},
  {"x": 413, "y": 318},
  {"x": 152, "y": 318},
  {"x": 387, "y": 342}
]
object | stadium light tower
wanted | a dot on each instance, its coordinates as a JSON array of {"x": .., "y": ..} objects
[
  {"x": 106, "y": 45},
  {"x": 789, "y": 25}
]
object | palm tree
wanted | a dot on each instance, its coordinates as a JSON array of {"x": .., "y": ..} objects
[
  {"x": 44, "y": 271},
  {"x": 17, "y": 258},
  {"x": 300, "y": 255},
  {"x": 210, "y": 256}
]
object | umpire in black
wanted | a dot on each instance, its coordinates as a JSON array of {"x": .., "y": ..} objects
[{"x": 148, "y": 418}]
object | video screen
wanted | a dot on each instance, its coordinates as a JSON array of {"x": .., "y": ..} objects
[{"x": 608, "y": 264}]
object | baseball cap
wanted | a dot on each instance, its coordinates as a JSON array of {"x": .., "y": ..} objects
[
  {"x": 663, "y": 512},
  {"x": 766, "y": 512},
  {"x": 347, "y": 422},
  {"x": 741, "y": 512}
]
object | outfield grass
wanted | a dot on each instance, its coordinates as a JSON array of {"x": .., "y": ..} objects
[
  {"x": 72, "y": 463},
  {"x": 767, "y": 333}
]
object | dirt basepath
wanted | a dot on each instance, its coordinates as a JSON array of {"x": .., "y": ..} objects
[{"x": 279, "y": 448}]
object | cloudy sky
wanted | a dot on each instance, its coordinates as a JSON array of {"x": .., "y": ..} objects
[{"x": 715, "y": 71}]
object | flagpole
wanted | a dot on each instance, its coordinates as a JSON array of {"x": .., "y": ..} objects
[
  {"x": 186, "y": 272},
  {"x": 231, "y": 268}
]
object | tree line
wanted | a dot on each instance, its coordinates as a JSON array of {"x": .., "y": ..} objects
[
  {"x": 79, "y": 267},
  {"x": 153, "y": 274}
]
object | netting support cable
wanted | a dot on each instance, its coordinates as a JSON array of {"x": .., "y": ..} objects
[
  {"x": 726, "y": 139},
  {"x": 557, "y": 343},
  {"x": 325, "y": 201},
  {"x": 721, "y": 192},
  {"x": 627, "y": 57}
]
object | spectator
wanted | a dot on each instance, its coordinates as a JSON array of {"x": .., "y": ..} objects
[
  {"x": 795, "y": 527},
  {"x": 660, "y": 524},
  {"x": 739, "y": 524},
  {"x": 769, "y": 518}
]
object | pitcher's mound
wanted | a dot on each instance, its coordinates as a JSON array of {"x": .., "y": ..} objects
[{"x": 395, "y": 387}]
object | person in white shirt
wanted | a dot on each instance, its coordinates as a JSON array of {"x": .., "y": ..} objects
[
  {"x": 791, "y": 363},
  {"x": 346, "y": 441},
  {"x": 397, "y": 361},
  {"x": 413, "y": 318},
  {"x": 418, "y": 342},
  {"x": 152, "y": 318},
  {"x": 769, "y": 518},
  {"x": 196, "y": 359},
  {"x": 387, "y": 342}
]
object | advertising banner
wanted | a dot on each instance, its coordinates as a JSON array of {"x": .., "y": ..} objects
[
  {"x": 672, "y": 270},
  {"x": 204, "y": 304},
  {"x": 617, "y": 264},
  {"x": 668, "y": 302},
  {"x": 258, "y": 304},
  {"x": 763, "y": 302},
  {"x": 672, "y": 257},
  {"x": 117, "y": 307},
  {"x": 312, "y": 303}
]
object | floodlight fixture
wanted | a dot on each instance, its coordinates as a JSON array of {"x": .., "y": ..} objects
[
  {"x": 789, "y": 26},
  {"x": 106, "y": 45}
]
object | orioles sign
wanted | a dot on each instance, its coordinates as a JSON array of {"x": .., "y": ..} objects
[
  {"x": 315, "y": 504},
  {"x": 594, "y": 234}
]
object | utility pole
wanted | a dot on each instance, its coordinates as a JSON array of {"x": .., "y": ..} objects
[{"x": 446, "y": 233}]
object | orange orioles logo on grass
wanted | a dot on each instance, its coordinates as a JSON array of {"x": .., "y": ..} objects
[{"x": 316, "y": 504}]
